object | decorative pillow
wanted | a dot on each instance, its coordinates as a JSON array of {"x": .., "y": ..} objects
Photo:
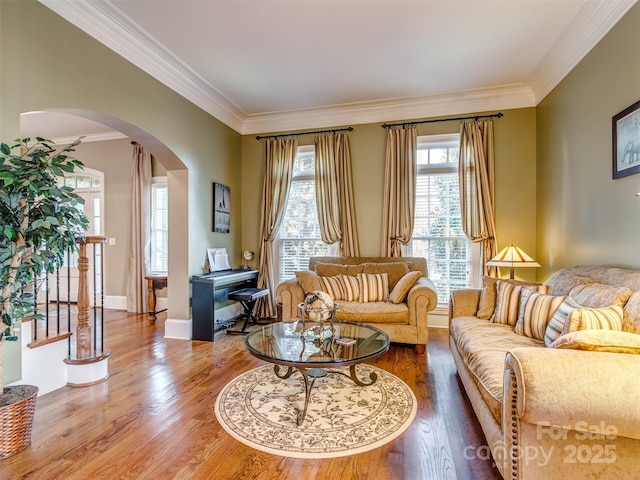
[
  {"x": 352, "y": 288},
  {"x": 608, "y": 318},
  {"x": 374, "y": 287},
  {"x": 599, "y": 296},
  {"x": 400, "y": 291},
  {"x": 536, "y": 310},
  {"x": 600, "y": 341},
  {"x": 394, "y": 270},
  {"x": 334, "y": 286},
  {"x": 487, "y": 304},
  {"x": 309, "y": 281},
  {"x": 556, "y": 324},
  {"x": 508, "y": 301},
  {"x": 333, "y": 269},
  {"x": 564, "y": 280}
]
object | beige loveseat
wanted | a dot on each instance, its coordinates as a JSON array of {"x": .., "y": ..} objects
[
  {"x": 404, "y": 322},
  {"x": 568, "y": 410}
]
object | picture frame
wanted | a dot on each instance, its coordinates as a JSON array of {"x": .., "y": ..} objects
[
  {"x": 221, "y": 208},
  {"x": 626, "y": 141}
]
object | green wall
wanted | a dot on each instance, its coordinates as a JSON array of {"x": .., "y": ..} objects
[
  {"x": 515, "y": 152},
  {"x": 49, "y": 64},
  {"x": 584, "y": 216}
]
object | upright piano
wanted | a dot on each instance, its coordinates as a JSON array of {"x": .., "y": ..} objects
[{"x": 211, "y": 308}]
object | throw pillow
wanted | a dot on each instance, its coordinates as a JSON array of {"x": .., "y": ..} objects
[
  {"x": 309, "y": 281},
  {"x": 352, "y": 288},
  {"x": 536, "y": 310},
  {"x": 332, "y": 269},
  {"x": 400, "y": 291},
  {"x": 608, "y": 318},
  {"x": 599, "y": 296},
  {"x": 374, "y": 287},
  {"x": 508, "y": 301},
  {"x": 334, "y": 286},
  {"x": 556, "y": 324},
  {"x": 564, "y": 280},
  {"x": 487, "y": 304},
  {"x": 600, "y": 341},
  {"x": 394, "y": 270}
]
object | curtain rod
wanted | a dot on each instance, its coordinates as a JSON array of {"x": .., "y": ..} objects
[
  {"x": 333, "y": 130},
  {"x": 475, "y": 117}
]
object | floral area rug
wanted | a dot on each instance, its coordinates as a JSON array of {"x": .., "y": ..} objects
[{"x": 260, "y": 410}]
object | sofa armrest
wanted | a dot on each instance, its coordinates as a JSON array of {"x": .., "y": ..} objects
[
  {"x": 584, "y": 391},
  {"x": 423, "y": 291},
  {"x": 290, "y": 294},
  {"x": 464, "y": 303}
]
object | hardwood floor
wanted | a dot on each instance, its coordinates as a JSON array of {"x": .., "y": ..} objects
[{"x": 153, "y": 418}]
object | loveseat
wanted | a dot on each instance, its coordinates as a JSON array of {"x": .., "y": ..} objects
[
  {"x": 557, "y": 393},
  {"x": 402, "y": 314}
]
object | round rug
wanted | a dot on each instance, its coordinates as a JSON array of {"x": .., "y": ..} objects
[{"x": 260, "y": 410}]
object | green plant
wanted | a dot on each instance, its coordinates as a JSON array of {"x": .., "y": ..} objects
[{"x": 41, "y": 221}]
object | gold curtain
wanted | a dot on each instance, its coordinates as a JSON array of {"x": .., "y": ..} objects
[
  {"x": 476, "y": 167},
  {"x": 281, "y": 154},
  {"x": 140, "y": 221},
  {"x": 334, "y": 193},
  {"x": 399, "y": 190}
]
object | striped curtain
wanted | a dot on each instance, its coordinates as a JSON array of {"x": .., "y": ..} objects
[
  {"x": 334, "y": 193},
  {"x": 281, "y": 154},
  {"x": 476, "y": 166},
  {"x": 399, "y": 190}
]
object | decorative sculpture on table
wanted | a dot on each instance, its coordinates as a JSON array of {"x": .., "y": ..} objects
[{"x": 319, "y": 307}]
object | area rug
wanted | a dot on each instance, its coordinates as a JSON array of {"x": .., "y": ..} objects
[{"x": 260, "y": 410}]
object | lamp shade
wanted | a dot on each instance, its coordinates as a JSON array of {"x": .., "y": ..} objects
[{"x": 512, "y": 257}]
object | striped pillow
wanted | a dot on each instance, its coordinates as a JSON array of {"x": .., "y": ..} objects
[
  {"x": 556, "y": 324},
  {"x": 608, "y": 318},
  {"x": 334, "y": 286},
  {"x": 374, "y": 287},
  {"x": 352, "y": 288},
  {"x": 536, "y": 310},
  {"x": 508, "y": 301}
]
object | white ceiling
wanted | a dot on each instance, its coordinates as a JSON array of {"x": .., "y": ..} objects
[{"x": 272, "y": 65}]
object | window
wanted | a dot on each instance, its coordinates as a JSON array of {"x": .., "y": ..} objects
[
  {"x": 159, "y": 261},
  {"x": 299, "y": 236},
  {"x": 437, "y": 231}
]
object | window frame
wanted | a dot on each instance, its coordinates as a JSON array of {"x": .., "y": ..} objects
[{"x": 162, "y": 183}]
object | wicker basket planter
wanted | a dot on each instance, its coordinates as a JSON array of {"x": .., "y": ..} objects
[{"x": 17, "y": 407}]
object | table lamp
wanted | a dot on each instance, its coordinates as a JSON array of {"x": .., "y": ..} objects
[{"x": 512, "y": 257}]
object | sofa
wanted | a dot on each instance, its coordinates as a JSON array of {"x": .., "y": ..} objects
[
  {"x": 402, "y": 310},
  {"x": 557, "y": 394}
]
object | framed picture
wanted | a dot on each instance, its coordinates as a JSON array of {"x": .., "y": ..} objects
[
  {"x": 626, "y": 141},
  {"x": 221, "y": 208}
]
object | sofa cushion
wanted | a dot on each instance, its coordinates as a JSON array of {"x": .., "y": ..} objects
[
  {"x": 600, "y": 341},
  {"x": 508, "y": 301},
  {"x": 309, "y": 281},
  {"x": 400, "y": 291},
  {"x": 483, "y": 346},
  {"x": 334, "y": 286},
  {"x": 556, "y": 324},
  {"x": 536, "y": 310},
  {"x": 631, "y": 321},
  {"x": 374, "y": 287},
  {"x": 394, "y": 270},
  {"x": 487, "y": 304},
  {"x": 332, "y": 269},
  {"x": 373, "y": 312},
  {"x": 599, "y": 296},
  {"x": 608, "y": 318},
  {"x": 564, "y": 280},
  {"x": 351, "y": 287}
]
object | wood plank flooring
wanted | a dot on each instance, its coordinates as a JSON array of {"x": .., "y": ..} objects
[{"x": 153, "y": 418}]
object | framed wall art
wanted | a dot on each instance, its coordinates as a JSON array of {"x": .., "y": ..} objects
[
  {"x": 221, "y": 208},
  {"x": 626, "y": 141}
]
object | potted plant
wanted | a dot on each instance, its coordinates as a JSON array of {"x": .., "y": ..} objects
[{"x": 40, "y": 221}]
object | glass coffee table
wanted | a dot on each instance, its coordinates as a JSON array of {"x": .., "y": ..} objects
[{"x": 314, "y": 349}]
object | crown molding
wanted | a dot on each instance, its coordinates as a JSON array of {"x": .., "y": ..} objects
[
  {"x": 107, "y": 24},
  {"x": 92, "y": 137},
  {"x": 591, "y": 22},
  {"x": 391, "y": 110}
]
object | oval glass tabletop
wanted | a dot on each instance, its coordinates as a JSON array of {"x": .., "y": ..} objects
[{"x": 310, "y": 344}]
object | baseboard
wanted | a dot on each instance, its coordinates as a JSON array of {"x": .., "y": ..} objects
[
  {"x": 439, "y": 318},
  {"x": 178, "y": 329},
  {"x": 115, "y": 302}
]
